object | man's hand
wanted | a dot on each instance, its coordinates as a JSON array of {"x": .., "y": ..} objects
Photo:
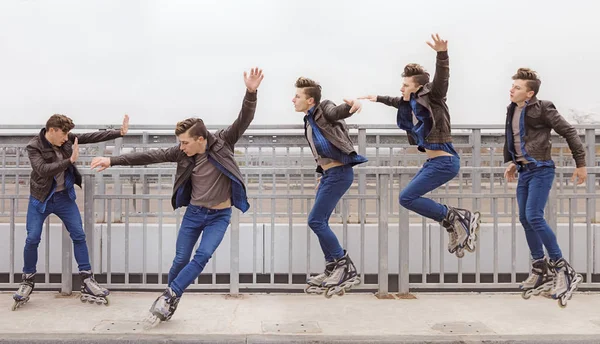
[
  {"x": 369, "y": 97},
  {"x": 101, "y": 163},
  {"x": 75, "y": 154},
  {"x": 253, "y": 79},
  {"x": 580, "y": 175},
  {"x": 438, "y": 43},
  {"x": 355, "y": 104},
  {"x": 125, "y": 125},
  {"x": 510, "y": 174}
]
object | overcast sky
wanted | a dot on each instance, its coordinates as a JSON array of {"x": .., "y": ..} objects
[{"x": 163, "y": 61}]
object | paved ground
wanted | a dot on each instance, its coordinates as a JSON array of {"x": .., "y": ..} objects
[{"x": 299, "y": 318}]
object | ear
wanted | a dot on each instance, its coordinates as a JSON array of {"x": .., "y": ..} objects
[{"x": 530, "y": 94}]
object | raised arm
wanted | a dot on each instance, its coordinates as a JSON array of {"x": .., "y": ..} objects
[
  {"x": 233, "y": 133},
  {"x": 439, "y": 85}
]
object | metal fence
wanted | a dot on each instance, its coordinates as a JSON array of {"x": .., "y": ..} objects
[{"x": 131, "y": 231}]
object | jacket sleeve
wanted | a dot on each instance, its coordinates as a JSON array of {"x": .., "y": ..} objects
[
  {"x": 439, "y": 87},
  {"x": 566, "y": 130},
  {"x": 333, "y": 113},
  {"x": 94, "y": 137},
  {"x": 234, "y": 132},
  {"x": 146, "y": 158},
  {"x": 43, "y": 168},
  {"x": 389, "y": 101}
]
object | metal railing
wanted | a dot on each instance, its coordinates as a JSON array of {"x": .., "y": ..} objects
[{"x": 131, "y": 234}]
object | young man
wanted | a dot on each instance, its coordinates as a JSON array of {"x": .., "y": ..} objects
[
  {"x": 208, "y": 181},
  {"x": 423, "y": 113},
  {"x": 528, "y": 150},
  {"x": 52, "y": 155},
  {"x": 327, "y": 136}
]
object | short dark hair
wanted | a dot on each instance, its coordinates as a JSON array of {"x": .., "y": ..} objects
[
  {"x": 193, "y": 126},
  {"x": 418, "y": 73},
  {"x": 310, "y": 87},
  {"x": 531, "y": 77},
  {"x": 61, "y": 122}
]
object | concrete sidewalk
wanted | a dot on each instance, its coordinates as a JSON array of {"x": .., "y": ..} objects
[{"x": 299, "y": 318}]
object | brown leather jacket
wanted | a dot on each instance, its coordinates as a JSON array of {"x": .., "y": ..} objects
[
  {"x": 330, "y": 119},
  {"x": 45, "y": 164},
  {"x": 541, "y": 117},
  {"x": 220, "y": 150},
  {"x": 433, "y": 97}
]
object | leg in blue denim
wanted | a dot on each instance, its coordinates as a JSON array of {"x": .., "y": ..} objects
[
  {"x": 66, "y": 210},
  {"x": 533, "y": 239},
  {"x": 434, "y": 173},
  {"x": 189, "y": 232},
  {"x": 212, "y": 235},
  {"x": 34, "y": 225},
  {"x": 334, "y": 184},
  {"x": 539, "y": 188}
]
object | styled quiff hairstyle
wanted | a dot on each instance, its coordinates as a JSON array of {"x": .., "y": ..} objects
[
  {"x": 193, "y": 126},
  {"x": 311, "y": 88},
  {"x": 418, "y": 73},
  {"x": 531, "y": 77},
  {"x": 61, "y": 122}
]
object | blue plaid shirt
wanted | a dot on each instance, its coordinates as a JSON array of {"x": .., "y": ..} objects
[
  {"x": 423, "y": 127},
  {"x": 511, "y": 143},
  {"x": 325, "y": 148}
]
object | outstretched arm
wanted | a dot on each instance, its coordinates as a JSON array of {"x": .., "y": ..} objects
[
  {"x": 143, "y": 158},
  {"x": 101, "y": 136}
]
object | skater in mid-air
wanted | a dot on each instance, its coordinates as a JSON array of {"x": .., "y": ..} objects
[
  {"x": 423, "y": 113},
  {"x": 528, "y": 150},
  {"x": 327, "y": 136}
]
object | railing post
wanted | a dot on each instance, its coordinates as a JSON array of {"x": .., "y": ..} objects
[
  {"x": 234, "y": 270},
  {"x": 403, "y": 247},
  {"x": 89, "y": 220},
  {"x": 118, "y": 187},
  {"x": 362, "y": 176},
  {"x": 66, "y": 279},
  {"x": 101, "y": 190},
  {"x": 383, "y": 202},
  {"x": 590, "y": 140},
  {"x": 550, "y": 211}
]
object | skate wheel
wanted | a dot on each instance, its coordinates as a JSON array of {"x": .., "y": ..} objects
[
  {"x": 106, "y": 301},
  {"x": 15, "y": 306},
  {"x": 151, "y": 321},
  {"x": 526, "y": 295},
  {"x": 342, "y": 292},
  {"x": 460, "y": 253},
  {"x": 329, "y": 293},
  {"x": 562, "y": 302}
]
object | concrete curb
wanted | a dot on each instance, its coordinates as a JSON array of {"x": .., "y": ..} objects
[{"x": 300, "y": 339}]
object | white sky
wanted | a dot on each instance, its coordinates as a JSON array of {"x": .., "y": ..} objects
[{"x": 162, "y": 61}]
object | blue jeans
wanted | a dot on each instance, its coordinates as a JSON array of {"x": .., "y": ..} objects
[
  {"x": 532, "y": 194},
  {"x": 212, "y": 224},
  {"x": 61, "y": 205},
  {"x": 434, "y": 173},
  {"x": 334, "y": 184}
]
